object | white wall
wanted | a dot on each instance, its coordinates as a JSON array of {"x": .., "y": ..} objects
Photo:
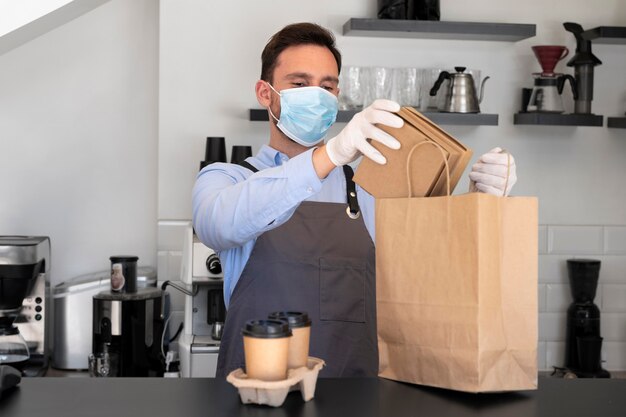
[
  {"x": 210, "y": 60},
  {"x": 78, "y": 138}
]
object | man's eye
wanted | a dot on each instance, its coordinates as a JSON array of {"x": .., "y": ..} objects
[{"x": 298, "y": 84}]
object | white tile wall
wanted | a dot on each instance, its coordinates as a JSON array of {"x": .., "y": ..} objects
[
  {"x": 551, "y": 327},
  {"x": 615, "y": 240},
  {"x": 588, "y": 240},
  {"x": 561, "y": 242},
  {"x": 614, "y": 297},
  {"x": 556, "y": 245},
  {"x": 170, "y": 246},
  {"x": 613, "y": 327}
]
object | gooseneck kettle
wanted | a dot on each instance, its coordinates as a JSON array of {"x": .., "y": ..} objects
[{"x": 461, "y": 95}]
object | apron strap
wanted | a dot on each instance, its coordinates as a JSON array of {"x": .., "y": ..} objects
[
  {"x": 248, "y": 165},
  {"x": 353, "y": 209}
]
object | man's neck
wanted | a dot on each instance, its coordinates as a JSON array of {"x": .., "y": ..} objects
[{"x": 283, "y": 144}]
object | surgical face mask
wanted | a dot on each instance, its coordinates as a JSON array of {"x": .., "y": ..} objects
[{"x": 306, "y": 113}]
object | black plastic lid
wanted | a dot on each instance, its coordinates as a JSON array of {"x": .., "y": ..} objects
[
  {"x": 266, "y": 329},
  {"x": 294, "y": 318},
  {"x": 124, "y": 258}
]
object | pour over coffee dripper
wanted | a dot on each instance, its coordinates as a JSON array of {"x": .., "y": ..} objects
[{"x": 548, "y": 56}]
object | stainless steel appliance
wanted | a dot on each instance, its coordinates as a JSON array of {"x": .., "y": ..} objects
[
  {"x": 24, "y": 289},
  {"x": 205, "y": 312},
  {"x": 461, "y": 95},
  {"x": 73, "y": 313}
]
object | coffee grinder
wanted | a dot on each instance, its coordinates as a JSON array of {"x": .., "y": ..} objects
[
  {"x": 583, "y": 344},
  {"x": 24, "y": 263},
  {"x": 583, "y": 62},
  {"x": 128, "y": 324}
]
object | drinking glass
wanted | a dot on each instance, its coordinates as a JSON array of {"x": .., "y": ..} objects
[
  {"x": 380, "y": 84},
  {"x": 407, "y": 86},
  {"x": 352, "y": 89}
]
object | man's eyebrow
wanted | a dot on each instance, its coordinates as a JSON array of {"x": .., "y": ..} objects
[
  {"x": 299, "y": 75},
  {"x": 331, "y": 78},
  {"x": 308, "y": 76}
]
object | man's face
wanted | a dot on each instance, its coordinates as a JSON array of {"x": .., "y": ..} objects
[{"x": 303, "y": 66}]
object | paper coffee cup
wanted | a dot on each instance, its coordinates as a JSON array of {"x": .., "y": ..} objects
[
  {"x": 266, "y": 349},
  {"x": 300, "y": 325}
]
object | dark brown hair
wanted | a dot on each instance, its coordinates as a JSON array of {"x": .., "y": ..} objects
[{"x": 292, "y": 35}]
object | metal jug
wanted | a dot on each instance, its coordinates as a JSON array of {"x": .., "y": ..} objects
[{"x": 461, "y": 95}]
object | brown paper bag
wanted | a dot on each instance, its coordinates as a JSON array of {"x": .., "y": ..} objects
[
  {"x": 386, "y": 181},
  {"x": 456, "y": 287}
]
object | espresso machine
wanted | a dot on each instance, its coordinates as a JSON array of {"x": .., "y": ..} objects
[
  {"x": 205, "y": 312},
  {"x": 24, "y": 289},
  {"x": 128, "y": 329},
  {"x": 583, "y": 343}
]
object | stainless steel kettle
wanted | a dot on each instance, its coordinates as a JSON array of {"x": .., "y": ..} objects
[{"x": 461, "y": 95}]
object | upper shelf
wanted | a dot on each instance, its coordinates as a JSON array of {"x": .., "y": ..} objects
[
  {"x": 459, "y": 119},
  {"x": 607, "y": 35},
  {"x": 429, "y": 29},
  {"x": 557, "y": 119}
]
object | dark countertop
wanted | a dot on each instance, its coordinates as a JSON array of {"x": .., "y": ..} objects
[{"x": 91, "y": 397}]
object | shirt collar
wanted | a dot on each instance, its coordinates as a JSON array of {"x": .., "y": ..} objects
[{"x": 270, "y": 157}]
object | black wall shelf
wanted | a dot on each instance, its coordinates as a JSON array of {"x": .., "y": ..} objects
[
  {"x": 427, "y": 29},
  {"x": 459, "y": 119},
  {"x": 607, "y": 35},
  {"x": 616, "y": 122},
  {"x": 556, "y": 119}
]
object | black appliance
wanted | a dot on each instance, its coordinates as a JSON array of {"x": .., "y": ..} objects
[
  {"x": 409, "y": 9},
  {"x": 583, "y": 62},
  {"x": 583, "y": 343},
  {"x": 127, "y": 333}
]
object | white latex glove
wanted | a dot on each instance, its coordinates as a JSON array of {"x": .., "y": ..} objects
[
  {"x": 351, "y": 142},
  {"x": 489, "y": 173}
]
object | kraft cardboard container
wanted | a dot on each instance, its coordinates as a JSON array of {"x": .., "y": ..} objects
[{"x": 426, "y": 166}]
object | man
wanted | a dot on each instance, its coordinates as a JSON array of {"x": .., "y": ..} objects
[{"x": 280, "y": 223}]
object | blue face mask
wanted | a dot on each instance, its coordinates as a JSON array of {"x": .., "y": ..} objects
[{"x": 306, "y": 113}]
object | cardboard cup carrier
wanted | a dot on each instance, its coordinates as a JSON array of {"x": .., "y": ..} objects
[{"x": 277, "y": 361}]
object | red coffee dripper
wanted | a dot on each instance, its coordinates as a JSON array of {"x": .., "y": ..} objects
[{"x": 548, "y": 56}]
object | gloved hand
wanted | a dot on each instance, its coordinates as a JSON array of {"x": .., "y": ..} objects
[
  {"x": 489, "y": 174},
  {"x": 351, "y": 142}
]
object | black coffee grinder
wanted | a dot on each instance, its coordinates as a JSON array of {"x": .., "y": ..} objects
[
  {"x": 583, "y": 344},
  {"x": 583, "y": 62}
]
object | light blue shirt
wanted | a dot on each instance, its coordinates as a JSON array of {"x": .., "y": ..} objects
[{"x": 232, "y": 206}]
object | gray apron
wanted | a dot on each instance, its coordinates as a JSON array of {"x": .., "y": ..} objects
[{"x": 321, "y": 261}]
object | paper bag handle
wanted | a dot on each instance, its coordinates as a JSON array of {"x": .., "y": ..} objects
[{"x": 408, "y": 165}]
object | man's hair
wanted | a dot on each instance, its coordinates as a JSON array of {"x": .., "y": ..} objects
[{"x": 293, "y": 35}]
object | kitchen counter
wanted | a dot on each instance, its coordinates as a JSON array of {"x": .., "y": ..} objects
[{"x": 333, "y": 397}]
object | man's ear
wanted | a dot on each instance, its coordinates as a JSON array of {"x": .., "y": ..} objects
[{"x": 263, "y": 93}]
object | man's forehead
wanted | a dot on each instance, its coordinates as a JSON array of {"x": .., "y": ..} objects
[{"x": 300, "y": 61}]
